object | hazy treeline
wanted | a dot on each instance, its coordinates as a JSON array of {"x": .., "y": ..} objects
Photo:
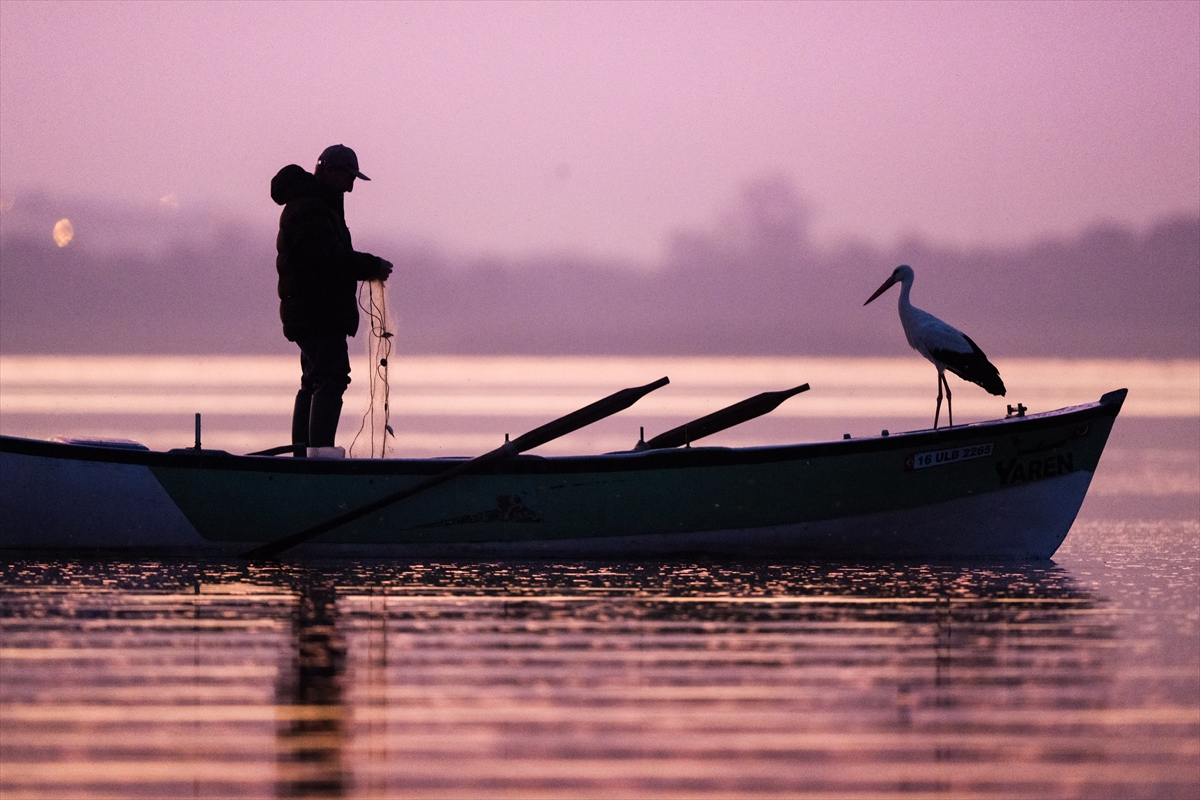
[{"x": 752, "y": 283}]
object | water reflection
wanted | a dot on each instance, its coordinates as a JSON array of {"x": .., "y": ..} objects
[
  {"x": 311, "y": 742},
  {"x": 385, "y": 679}
]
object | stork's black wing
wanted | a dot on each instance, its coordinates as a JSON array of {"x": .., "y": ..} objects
[{"x": 973, "y": 366}]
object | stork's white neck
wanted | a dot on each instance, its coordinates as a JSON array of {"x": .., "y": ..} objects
[
  {"x": 908, "y": 319},
  {"x": 905, "y": 286}
]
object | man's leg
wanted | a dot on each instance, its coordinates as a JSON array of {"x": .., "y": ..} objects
[
  {"x": 302, "y": 410},
  {"x": 330, "y": 376}
]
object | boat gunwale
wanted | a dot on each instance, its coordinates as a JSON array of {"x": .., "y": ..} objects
[{"x": 631, "y": 460}]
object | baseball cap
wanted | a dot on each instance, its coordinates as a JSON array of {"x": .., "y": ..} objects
[{"x": 338, "y": 155}]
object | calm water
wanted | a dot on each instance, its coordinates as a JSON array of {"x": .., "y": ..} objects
[
  {"x": 464, "y": 405},
  {"x": 185, "y": 677}
]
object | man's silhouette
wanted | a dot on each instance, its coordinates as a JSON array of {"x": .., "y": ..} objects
[{"x": 319, "y": 271}]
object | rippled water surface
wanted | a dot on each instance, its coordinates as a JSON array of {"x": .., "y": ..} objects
[
  {"x": 192, "y": 678},
  {"x": 139, "y": 675}
]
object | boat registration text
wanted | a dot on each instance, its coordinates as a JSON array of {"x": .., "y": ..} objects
[{"x": 936, "y": 458}]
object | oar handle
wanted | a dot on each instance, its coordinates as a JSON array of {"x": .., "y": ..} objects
[
  {"x": 618, "y": 401},
  {"x": 271, "y": 549},
  {"x": 274, "y": 451}
]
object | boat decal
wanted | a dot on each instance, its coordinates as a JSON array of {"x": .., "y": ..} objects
[
  {"x": 951, "y": 455},
  {"x": 509, "y": 508},
  {"x": 1034, "y": 469}
]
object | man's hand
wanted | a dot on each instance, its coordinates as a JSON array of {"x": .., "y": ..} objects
[{"x": 385, "y": 269}]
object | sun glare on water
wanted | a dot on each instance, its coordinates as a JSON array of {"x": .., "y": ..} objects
[{"x": 64, "y": 232}]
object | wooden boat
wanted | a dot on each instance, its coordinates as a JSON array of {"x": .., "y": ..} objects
[{"x": 1003, "y": 489}]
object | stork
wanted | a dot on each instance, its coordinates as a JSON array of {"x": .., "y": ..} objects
[{"x": 944, "y": 345}]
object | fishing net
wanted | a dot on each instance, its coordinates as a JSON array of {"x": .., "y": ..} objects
[{"x": 372, "y": 299}]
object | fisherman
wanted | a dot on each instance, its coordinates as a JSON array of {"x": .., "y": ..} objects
[{"x": 319, "y": 271}]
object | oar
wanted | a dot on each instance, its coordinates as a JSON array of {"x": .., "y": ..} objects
[
  {"x": 538, "y": 436},
  {"x": 274, "y": 451},
  {"x": 735, "y": 414}
]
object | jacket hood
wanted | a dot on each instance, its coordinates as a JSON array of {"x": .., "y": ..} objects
[{"x": 291, "y": 182}]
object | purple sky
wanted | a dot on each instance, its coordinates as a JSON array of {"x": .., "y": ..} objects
[{"x": 602, "y": 128}]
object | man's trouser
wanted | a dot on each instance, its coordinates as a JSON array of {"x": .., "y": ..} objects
[{"x": 325, "y": 362}]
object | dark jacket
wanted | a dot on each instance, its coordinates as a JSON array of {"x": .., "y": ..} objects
[{"x": 318, "y": 267}]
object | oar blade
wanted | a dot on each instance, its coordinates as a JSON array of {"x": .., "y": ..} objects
[
  {"x": 618, "y": 401},
  {"x": 718, "y": 421}
]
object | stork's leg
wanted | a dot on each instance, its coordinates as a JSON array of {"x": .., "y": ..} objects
[
  {"x": 949, "y": 405},
  {"x": 938, "y": 411}
]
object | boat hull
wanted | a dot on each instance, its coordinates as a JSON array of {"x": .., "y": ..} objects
[
  {"x": 50, "y": 501},
  {"x": 1025, "y": 524},
  {"x": 1002, "y": 489}
]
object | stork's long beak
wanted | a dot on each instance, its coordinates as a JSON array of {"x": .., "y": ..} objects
[{"x": 886, "y": 285}]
